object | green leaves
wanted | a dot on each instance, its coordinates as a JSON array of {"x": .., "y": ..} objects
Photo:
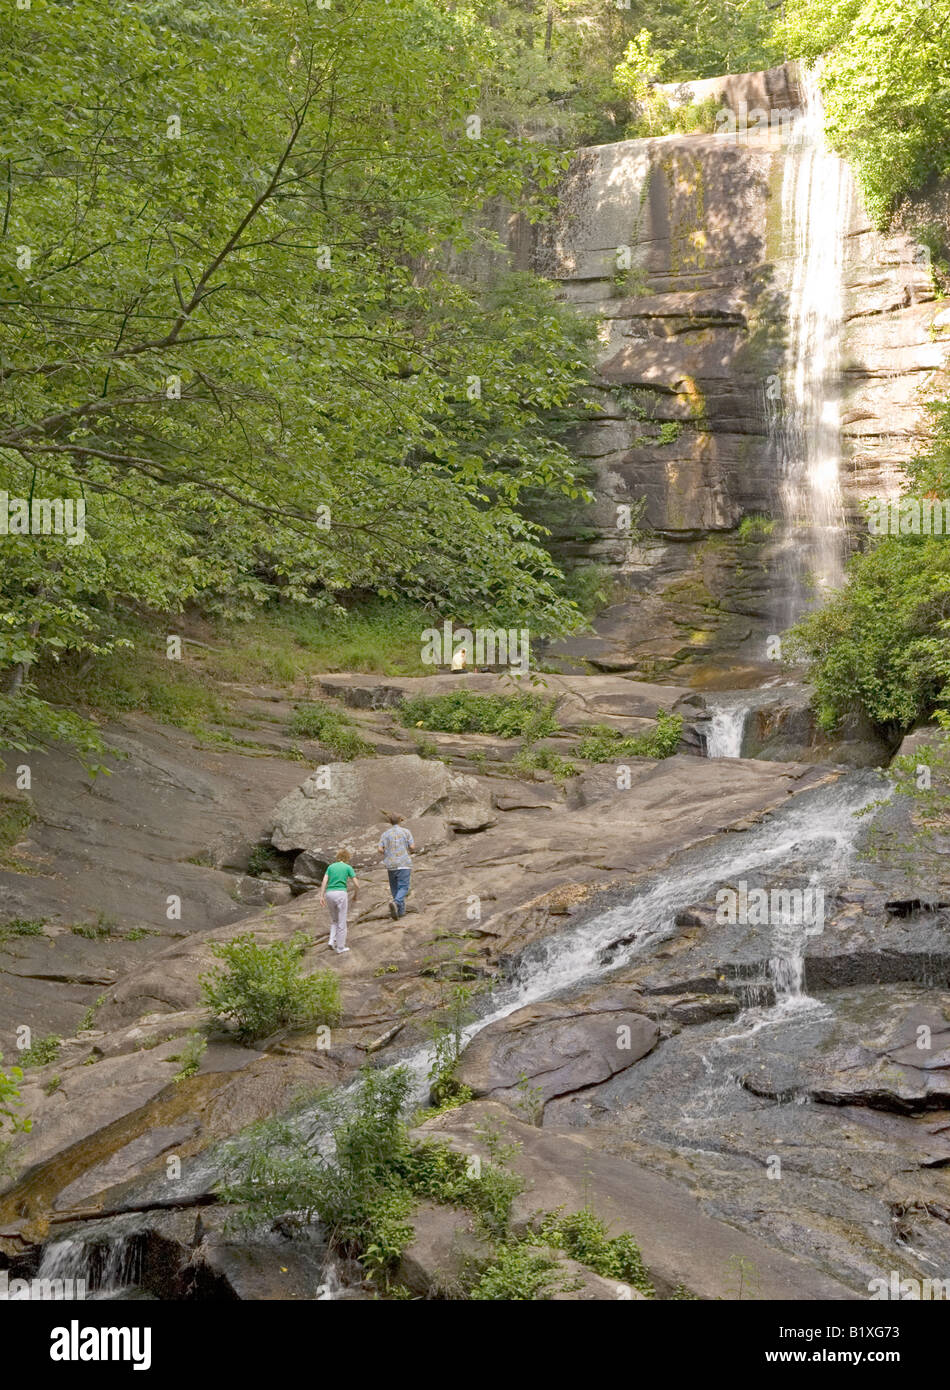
[
  {"x": 885, "y": 77},
  {"x": 228, "y": 323}
]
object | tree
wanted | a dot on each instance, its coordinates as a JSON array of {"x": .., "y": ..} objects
[
  {"x": 227, "y": 325},
  {"x": 885, "y": 77}
]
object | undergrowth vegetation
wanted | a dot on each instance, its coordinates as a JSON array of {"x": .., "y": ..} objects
[
  {"x": 366, "y": 1186},
  {"x": 463, "y": 711},
  {"x": 262, "y": 987}
]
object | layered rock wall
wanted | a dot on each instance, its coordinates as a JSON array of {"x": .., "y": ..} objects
[{"x": 679, "y": 246}]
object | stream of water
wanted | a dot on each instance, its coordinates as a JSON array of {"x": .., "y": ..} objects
[
  {"x": 819, "y": 828},
  {"x": 817, "y": 194}
]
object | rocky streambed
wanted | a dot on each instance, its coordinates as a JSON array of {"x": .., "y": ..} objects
[{"x": 749, "y": 1099}]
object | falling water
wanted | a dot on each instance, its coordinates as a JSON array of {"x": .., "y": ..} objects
[
  {"x": 726, "y": 728},
  {"x": 103, "y": 1266},
  {"x": 816, "y": 205}
]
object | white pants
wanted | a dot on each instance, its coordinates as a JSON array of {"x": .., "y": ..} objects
[{"x": 338, "y": 901}]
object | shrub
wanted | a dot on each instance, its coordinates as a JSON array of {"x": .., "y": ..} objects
[
  {"x": 602, "y": 744},
  {"x": 262, "y": 860},
  {"x": 519, "y": 1273},
  {"x": 43, "y": 1051},
  {"x": 879, "y": 646},
  {"x": 335, "y": 730},
  {"x": 190, "y": 1056},
  {"x": 10, "y": 1099},
  {"x": 530, "y": 759},
  {"x": 465, "y": 712},
  {"x": 262, "y": 989},
  {"x": 357, "y": 1192},
  {"x": 583, "y": 1236},
  {"x": 755, "y": 527},
  {"x": 95, "y": 931},
  {"x": 364, "y": 1191}
]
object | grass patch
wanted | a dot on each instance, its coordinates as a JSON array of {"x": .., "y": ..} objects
[
  {"x": 465, "y": 712},
  {"x": 141, "y": 678},
  {"x": 335, "y": 730},
  {"x": 89, "y": 1017},
  {"x": 377, "y": 635},
  {"x": 519, "y": 1273},
  {"x": 755, "y": 527},
  {"x": 98, "y": 930},
  {"x": 602, "y": 744},
  {"x": 278, "y": 646},
  {"x": 190, "y": 1056},
  {"x": 22, "y": 926}
]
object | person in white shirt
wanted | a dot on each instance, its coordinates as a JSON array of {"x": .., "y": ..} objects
[{"x": 396, "y": 845}]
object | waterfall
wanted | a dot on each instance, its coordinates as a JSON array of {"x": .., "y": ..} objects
[
  {"x": 103, "y": 1266},
  {"x": 725, "y": 730},
  {"x": 816, "y": 206}
]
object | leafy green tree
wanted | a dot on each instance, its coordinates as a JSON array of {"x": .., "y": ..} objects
[
  {"x": 227, "y": 325},
  {"x": 880, "y": 646},
  {"x": 885, "y": 76}
]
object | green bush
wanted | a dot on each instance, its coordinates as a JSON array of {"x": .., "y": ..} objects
[
  {"x": 43, "y": 1051},
  {"x": 463, "y": 711},
  {"x": 357, "y": 1193},
  {"x": 884, "y": 83},
  {"x": 519, "y": 1273},
  {"x": 365, "y": 1192},
  {"x": 262, "y": 989},
  {"x": 583, "y": 1237},
  {"x": 335, "y": 730},
  {"x": 438, "y": 1173},
  {"x": 10, "y": 1099},
  {"x": 879, "y": 646},
  {"x": 602, "y": 744},
  {"x": 755, "y": 527},
  {"x": 530, "y": 759},
  {"x": 190, "y": 1056}
]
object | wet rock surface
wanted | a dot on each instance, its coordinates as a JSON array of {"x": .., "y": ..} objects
[{"x": 761, "y": 1085}]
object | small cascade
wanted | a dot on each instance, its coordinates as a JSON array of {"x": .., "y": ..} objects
[
  {"x": 817, "y": 193},
  {"x": 102, "y": 1267},
  {"x": 332, "y": 1288},
  {"x": 724, "y": 732}
]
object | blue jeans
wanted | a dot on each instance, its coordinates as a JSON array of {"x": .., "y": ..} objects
[{"x": 399, "y": 887}]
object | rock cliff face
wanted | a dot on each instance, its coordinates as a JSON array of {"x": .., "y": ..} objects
[{"x": 680, "y": 246}]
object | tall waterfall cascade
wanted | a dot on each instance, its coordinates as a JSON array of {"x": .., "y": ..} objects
[{"x": 817, "y": 199}]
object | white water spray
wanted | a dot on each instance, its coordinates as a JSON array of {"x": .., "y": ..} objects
[
  {"x": 726, "y": 728},
  {"x": 817, "y": 192}
]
